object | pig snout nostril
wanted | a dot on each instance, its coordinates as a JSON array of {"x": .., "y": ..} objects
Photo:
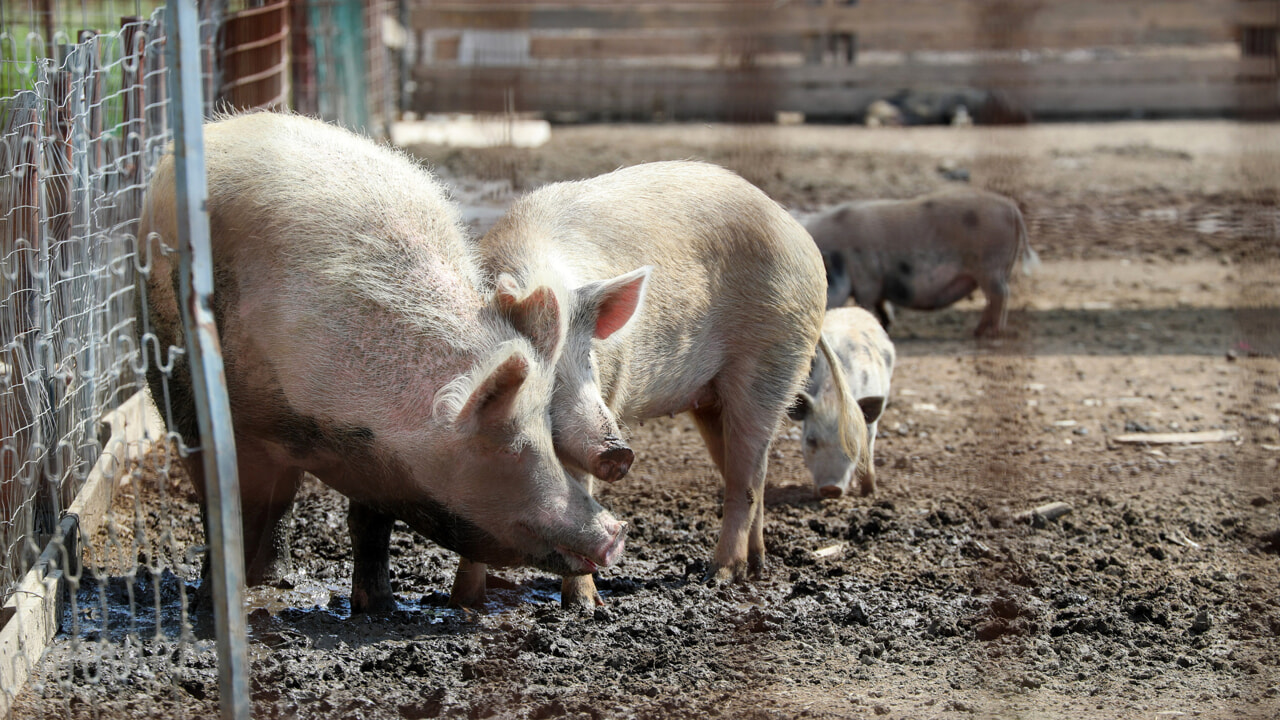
[
  {"x": 830, "y": 492},
  {"x": 614, "y": 463},
  {"x": 613, "y": 528},
  {"x": 612, "y": 548}
]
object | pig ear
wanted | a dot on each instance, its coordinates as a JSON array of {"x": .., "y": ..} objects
[
  {"x": 536, "y": 315},
  {"x": 492, "y": 401},
  {"x": 871, "y": 407},
  {"x": 616, "y": 301},
  {"x": 800, "y": 408}
]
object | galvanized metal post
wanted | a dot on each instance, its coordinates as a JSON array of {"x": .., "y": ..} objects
[{"x": 217, "y": 445}]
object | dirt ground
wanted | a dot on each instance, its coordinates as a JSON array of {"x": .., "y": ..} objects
[{"x": 1156, "y": 309}]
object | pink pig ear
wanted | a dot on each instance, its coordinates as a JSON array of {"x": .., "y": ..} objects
[
  {"x": 492, "y": 402},
  {"x": 536, "y": 315},
  {"x": 618, "y": 300}
]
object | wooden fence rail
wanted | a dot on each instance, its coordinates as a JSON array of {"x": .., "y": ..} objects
[{"x": 727, "y": 60}]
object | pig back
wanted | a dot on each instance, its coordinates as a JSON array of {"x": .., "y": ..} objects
[
  {"x": 341, "y": 273},
  {"x": 733, "y": 272},
  {"x": 865, "y": 351}
]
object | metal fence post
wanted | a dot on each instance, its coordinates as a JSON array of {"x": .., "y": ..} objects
[{"x": 205, "y": 353}]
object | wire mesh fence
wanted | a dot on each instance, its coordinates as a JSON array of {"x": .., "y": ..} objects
[
  {"x": 95, "y": 506},
  {"x": 91, "y": 504}
]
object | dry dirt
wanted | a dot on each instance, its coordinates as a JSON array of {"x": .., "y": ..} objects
[{"x": 1156, "y": 310}]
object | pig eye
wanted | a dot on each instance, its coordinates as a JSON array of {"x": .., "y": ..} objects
[{"x": 811, "y": 442}]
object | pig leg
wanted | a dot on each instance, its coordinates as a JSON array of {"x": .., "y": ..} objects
[
  {"x": 468, "y": 585},
  {"x": 868, "y": 482},
  {"x": 266, "y": 498},
  {"x": 884, "y": 313},
  {"x": 995, "y": 314},
  {"x": 267, "y": 491},
  {"x": 580, "y": 590},
  {"x": 370, "y": 559},
  {"x": 469, "y": 588},
  {"x": 742, "y": 460}
]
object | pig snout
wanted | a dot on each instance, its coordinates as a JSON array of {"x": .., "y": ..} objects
[
  {"x": 613, "y": 462},
  {"x": 603, "y": 555},
  {"x": 830, "y": 492}
]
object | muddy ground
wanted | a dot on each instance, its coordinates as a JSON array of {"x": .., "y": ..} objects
[{"x": 1156, "y": 310}]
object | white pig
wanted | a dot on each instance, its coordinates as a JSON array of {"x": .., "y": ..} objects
[
  {"x": 691, "y": 291},
  {"x": 362, "y": 345},
  {"x": 866, "y": 354}
]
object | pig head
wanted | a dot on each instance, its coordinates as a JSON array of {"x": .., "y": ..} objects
[
  {"x": 863, "y": 348},
  {"x": 592, "y": 442}
]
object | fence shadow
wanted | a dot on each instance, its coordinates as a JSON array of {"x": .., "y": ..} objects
[{"x": 1242, "y": 331}]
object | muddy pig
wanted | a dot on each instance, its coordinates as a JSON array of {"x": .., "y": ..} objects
[
  {"x": 362, "y": 345},
  {"x": 925, "y": 253},
  {"x": 690, "y": 290},
  {"x": 865, "y": 352}
]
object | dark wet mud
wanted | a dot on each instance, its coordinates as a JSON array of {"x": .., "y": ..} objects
[{"x": 942, "y": 596}]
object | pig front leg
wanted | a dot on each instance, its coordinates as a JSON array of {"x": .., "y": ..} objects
[
  {"x": 371, "y": 559},
  {"x": 579, "y": 591},
  {"x": 469, "y": 582},
  {"x": 884, "y": 313}
]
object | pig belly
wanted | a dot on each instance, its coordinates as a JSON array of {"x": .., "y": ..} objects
[
  {"x": 673, "y": 404},
  {"x": 928, "y": 288}
]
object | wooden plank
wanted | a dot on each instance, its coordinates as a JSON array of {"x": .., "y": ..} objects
[
  {"x": 132, "y": 424},
  {"x": 30, "y": 616},
  {"x": 1183, "y": 438},
  {"x": 897, "y": 25},
  {"x": 1048, "y": 89},
  {"x": 31, "y": 620},
  {"x": 1258, "y": 13}
]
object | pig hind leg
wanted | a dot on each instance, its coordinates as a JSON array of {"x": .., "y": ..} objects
[
  {"x": 996, "y": 312},
  {"x": 740, "y": 447}
]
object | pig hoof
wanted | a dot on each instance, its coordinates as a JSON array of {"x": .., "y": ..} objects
[
  {"x": 579, "y": 593},
  {"x": 466, "y": 601},
  {"x": 581, "y": 602},
  {"x": 721, "y": 576},
  {"x": 362, "y": 602}
]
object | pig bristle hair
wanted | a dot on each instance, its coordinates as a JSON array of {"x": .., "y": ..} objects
[
  {"x": 449, "y": 399},
  {"x": 384, "y": 260},
  {"x": 452, "y": 397}
]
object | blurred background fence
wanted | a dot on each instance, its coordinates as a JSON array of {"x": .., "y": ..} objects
[{"x": 830, "y": 59}]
